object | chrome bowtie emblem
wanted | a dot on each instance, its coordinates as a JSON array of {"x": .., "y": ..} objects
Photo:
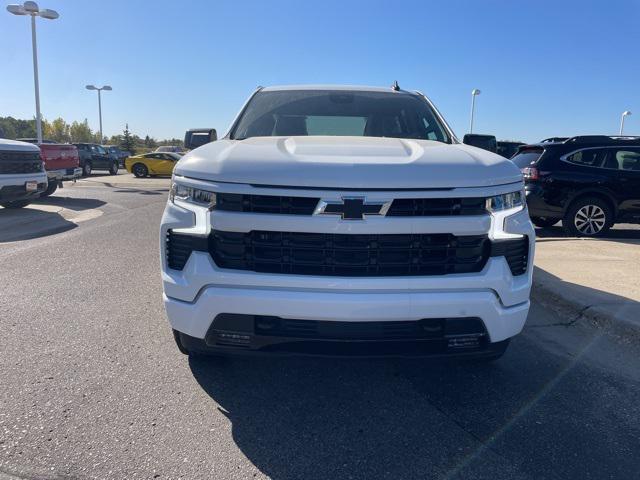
[{"x": 352, "y": 208}]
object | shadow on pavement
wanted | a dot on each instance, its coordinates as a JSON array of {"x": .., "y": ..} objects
[
  {"x": 43, "y": 218},
  {"x": 155, "y": 191},
  {"x": 70, "y": 203},
  {"x": 317, "y": 418},
  {"x": 609, "y": 306},
  {"x": 26, "y": 224}
]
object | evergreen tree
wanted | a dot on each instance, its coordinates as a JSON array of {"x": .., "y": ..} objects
[{"x": 127, "y": 142}]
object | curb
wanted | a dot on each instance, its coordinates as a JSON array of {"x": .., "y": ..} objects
[{"x": 597, "y": 315}]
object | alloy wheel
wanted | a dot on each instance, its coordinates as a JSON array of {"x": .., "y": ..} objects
[{"x": 590, "y": 219}]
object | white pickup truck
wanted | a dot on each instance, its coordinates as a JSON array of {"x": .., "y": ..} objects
[
  {"x": 345, "y": 221},
  {"x": 22, "y": 174}
]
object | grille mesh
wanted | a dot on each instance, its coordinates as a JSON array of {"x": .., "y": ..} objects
[
  {"x": 349, "y": 255},
  {"x": 20, "y": 162},
  {"x": 434, "y": 207},
  {"x": 401, "y": 207}
]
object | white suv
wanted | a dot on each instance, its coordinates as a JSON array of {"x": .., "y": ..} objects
[{"x": 345, "y": 221}]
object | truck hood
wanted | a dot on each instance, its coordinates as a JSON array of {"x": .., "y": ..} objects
[
  {"x": 347, "y": 163},
  {"x": 7, "y": 145}
]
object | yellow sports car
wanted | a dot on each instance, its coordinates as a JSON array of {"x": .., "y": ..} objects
[{"x": 154, "y": 163}]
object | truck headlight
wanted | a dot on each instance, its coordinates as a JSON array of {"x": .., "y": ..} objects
[
  {"x": 506, "y": 201},
  {"x": 184, "y": 193}
]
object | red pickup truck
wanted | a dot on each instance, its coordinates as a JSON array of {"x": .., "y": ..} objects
[{"x": 61, "y": 161}]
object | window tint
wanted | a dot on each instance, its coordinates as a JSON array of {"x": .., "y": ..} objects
[
  {"x": 527, "y": 157},
  {"x": 628, "y": 160},
  {"x": 341, "y": 113},
  {"x": 593, "y": 157}
]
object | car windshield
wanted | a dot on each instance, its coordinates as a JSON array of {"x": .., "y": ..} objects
[
  {"x": 527, "y": 157},
  {"x": 339, "y": 113}
]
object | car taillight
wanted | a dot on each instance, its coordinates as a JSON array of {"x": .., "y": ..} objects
[{"x": 530, "y": 173}]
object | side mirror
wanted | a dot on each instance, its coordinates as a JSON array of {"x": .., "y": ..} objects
[
  {"x": 197, "y": 137},
  {"x": 486, "y": 142}
]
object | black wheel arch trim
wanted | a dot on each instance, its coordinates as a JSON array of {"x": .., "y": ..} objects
[{"x": 595, "y": 192}]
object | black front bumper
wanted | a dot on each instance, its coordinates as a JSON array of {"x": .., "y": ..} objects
[
  {"x": 12, "y": 193},
  {"x": 232, "y": 334}
]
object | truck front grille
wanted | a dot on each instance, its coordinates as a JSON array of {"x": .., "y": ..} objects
[
  {"x": 349, "y": 255},
  {"x": 436, "y": 207},
  {"x": 400, "y": 207},
  {"x": 234, "y": 202},
  {"x": 20, "y": 162}
]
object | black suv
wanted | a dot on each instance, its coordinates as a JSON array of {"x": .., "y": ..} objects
[
  {"x": 588, "y": 182},
  {"x": 96, "y": 157}
]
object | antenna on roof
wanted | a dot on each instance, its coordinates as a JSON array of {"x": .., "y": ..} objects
[{"x": 395, "y": 87}]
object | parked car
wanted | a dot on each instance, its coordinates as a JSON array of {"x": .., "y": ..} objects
[
  {"x": 588, "y": 182},
  {"x": 507, "y": 148},
  {"x": 22, "y": 174},
  {"x": 116, "y": 153},
  {"x": 170, "y": 149},
  {"x": 96, "y": 157},
  {"x": 61, "y": 161},
  {"x": 152, "y": 164},
  {"x": 345, "y": 221}
]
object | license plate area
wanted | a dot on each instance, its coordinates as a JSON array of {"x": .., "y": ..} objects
[{"x": 31, "y": 186}]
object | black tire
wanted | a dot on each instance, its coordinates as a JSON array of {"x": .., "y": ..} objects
[
  {"x": 52, "y": 187},
  {"x": 544, "y": 222},
  {"x": 140, "y": 170},
  {"x": 113, "y": 169},
  {"x": 16, "y": 204},
  {"x": 588, "y": 217},
  {"x": 86, "y": 169}
]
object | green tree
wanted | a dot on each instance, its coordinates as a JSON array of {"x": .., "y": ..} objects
[
  {"x": 58, "y": 130},
  {"x": 127, "y": 142},
  {"x": 13, "y": 128},
  {"x": 81, "y": 132}
]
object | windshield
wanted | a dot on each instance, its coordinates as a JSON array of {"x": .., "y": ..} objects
[
  {"x": 527, "y": 157},
  {"x": 339, "y": 113}
]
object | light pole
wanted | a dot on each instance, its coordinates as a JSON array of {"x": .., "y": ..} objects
[
  {"x": 474, "y": 93},
  {"x": 624, "y": 114},
  {"x": 107, "y": 88},
  {"x": 32, "y": 9}
]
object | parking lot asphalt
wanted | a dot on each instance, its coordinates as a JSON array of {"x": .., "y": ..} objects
[{"x": 93, "y": 386}]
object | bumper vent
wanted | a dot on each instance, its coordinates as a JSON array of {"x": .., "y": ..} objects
[
  {"x": 349, "y": 255},
  {"x": 515, "y": 251},
  {"x": 180, "y": 246}
]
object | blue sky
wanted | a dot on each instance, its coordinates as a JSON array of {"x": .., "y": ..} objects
[{"x": 545, "y": 68}]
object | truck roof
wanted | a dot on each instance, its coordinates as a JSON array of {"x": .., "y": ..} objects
[
  {"x": 357, "y": 88},
  {"x": 17, "y": 146}
]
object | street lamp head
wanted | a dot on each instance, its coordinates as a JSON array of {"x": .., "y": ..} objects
[
  {"x": 626, "y": 113},
  {"x": 48, "y": 14},
  {"x": 90, "y": 87},
  {"x": 107, "y": 87},
  {"x": 16, "y": 9},
  {"x": 31, "y": 7},
  {"x": 475, "y": 92}
]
